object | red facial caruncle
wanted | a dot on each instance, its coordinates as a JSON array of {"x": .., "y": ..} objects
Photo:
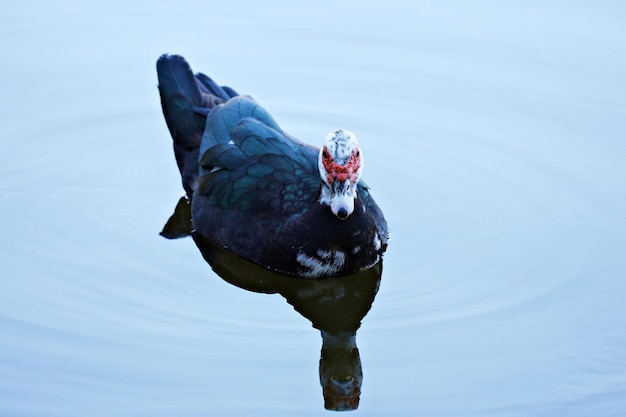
[{"x": 341, "y": 172}]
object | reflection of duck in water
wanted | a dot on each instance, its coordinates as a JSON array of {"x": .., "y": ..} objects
[
  {"x": 287, "y": 208},
  {"x": 335, "y": 306}
]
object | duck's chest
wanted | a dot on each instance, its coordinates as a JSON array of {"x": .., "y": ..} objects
[{"x": 319, "y": 244}]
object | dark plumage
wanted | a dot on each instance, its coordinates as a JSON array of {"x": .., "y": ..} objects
[{"x": 256, "y": 190}]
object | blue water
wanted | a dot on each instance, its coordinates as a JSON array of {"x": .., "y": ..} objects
[{"x": 494, "y": 140}]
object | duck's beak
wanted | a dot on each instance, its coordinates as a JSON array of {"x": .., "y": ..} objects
[{"x": 342, "y": 198}]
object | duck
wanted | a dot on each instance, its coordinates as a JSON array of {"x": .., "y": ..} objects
[{"x": 255, "y": 190}]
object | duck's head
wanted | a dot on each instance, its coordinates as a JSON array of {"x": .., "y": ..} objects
[{"x": 340, "y": 163}]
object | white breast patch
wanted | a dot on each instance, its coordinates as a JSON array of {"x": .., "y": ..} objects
[{"x": 325, "y": 263}]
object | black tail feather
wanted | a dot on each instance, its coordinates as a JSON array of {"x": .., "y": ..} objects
[
  {"x": 179, "y": 96},
  {"x": 210, "y": 87},
  {"x": 186, "y": 100}
]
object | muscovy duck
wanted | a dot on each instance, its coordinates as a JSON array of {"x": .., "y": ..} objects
[{"x": 261, "y": 193}]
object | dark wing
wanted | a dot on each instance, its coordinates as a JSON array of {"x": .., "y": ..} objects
[
  {"x": 250, "y": 165},
  {"x": 374, "y": 211}
]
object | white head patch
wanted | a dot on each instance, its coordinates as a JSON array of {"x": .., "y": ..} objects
[
  {"x": 340, "y": 164},
  {"x": 340, "y": 144}
]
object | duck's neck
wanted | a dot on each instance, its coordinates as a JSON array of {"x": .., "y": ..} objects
[
  {"x": 325, "y": 194},
  {"x": 339, "y": 341}
]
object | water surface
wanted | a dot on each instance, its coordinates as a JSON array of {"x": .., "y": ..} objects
[{"x": 493, "y": 139}]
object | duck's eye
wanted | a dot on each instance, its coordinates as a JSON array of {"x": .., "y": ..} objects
[
  {"x": 358, "y": 153},
  {"x": 325, "y": 154}
]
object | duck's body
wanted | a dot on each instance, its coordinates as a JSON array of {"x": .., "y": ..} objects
[{"x": 259, "y": 192}]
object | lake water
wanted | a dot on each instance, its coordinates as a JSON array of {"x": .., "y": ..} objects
[{"x": 494, "y": 141}]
